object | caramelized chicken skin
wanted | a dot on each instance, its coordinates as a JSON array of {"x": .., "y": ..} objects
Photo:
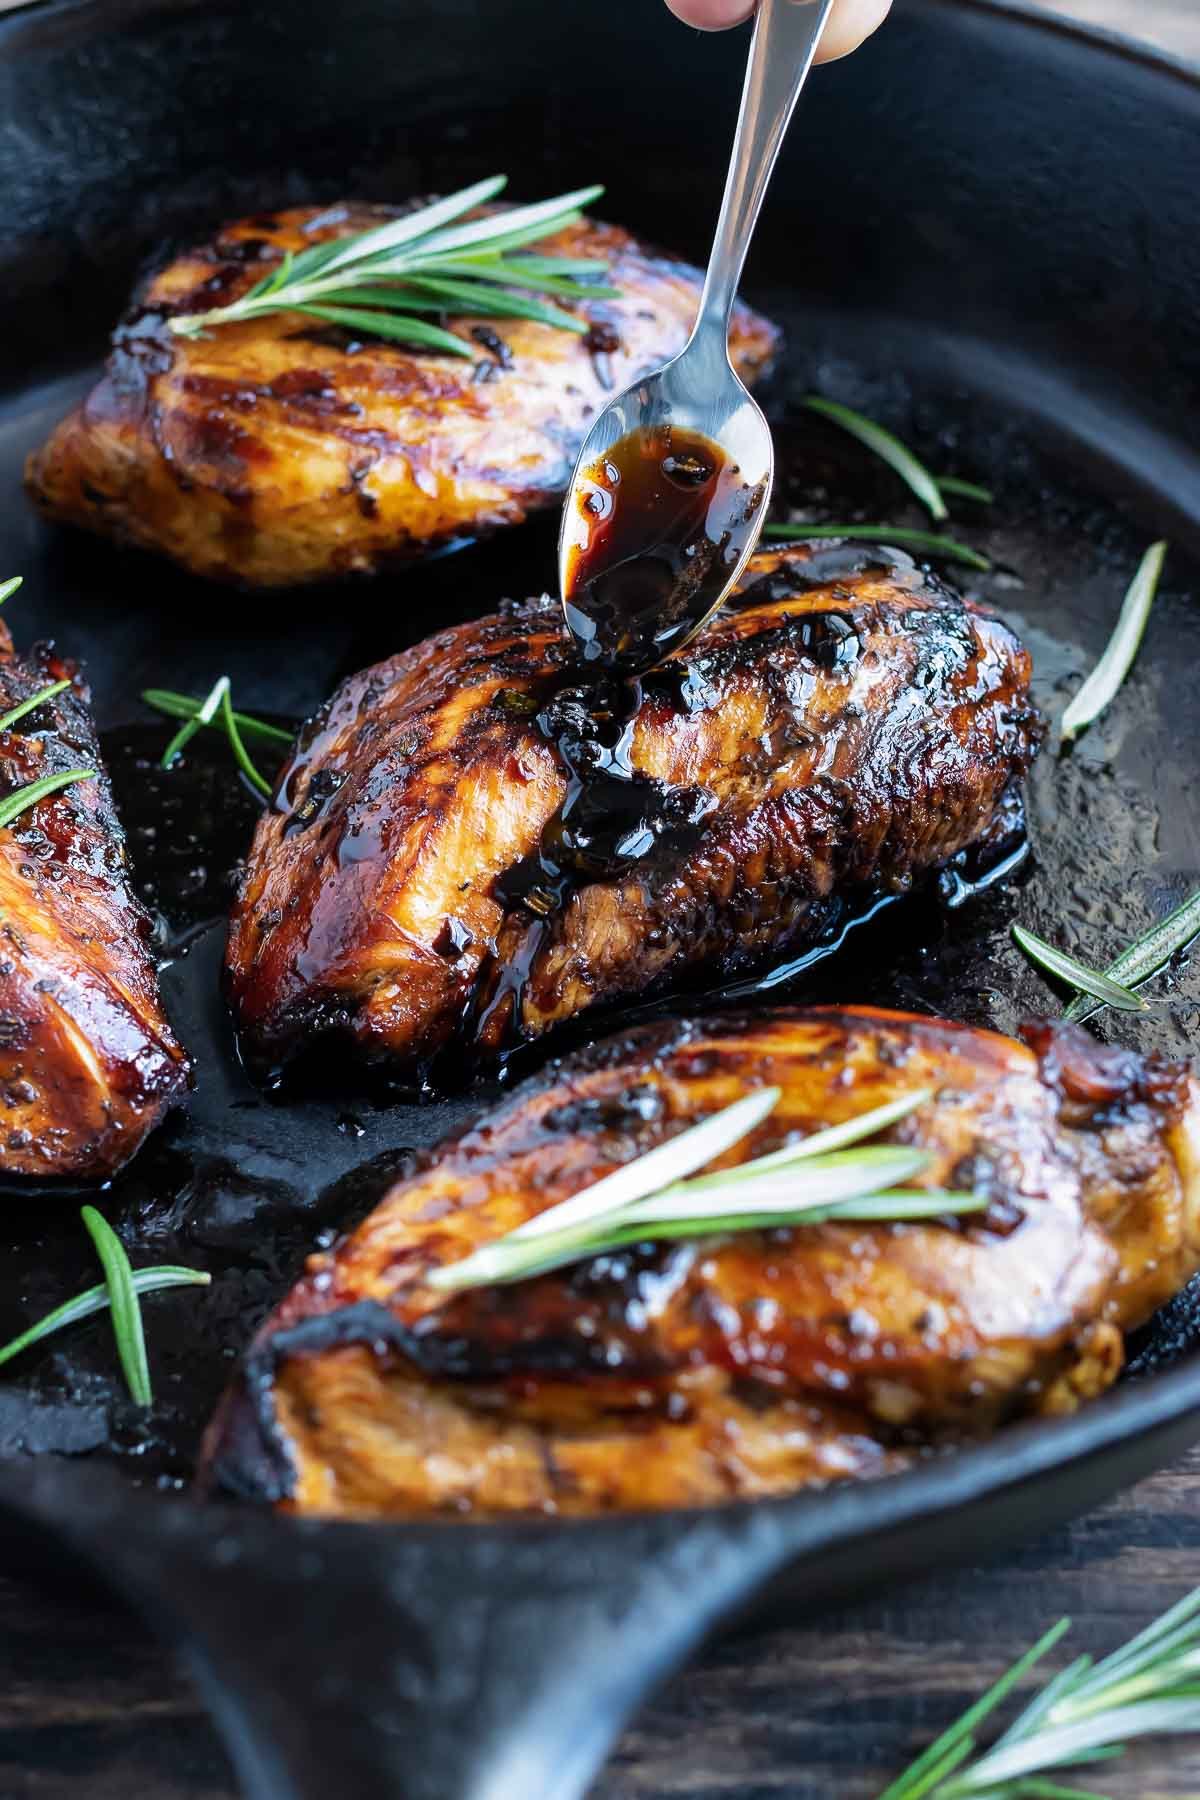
[
  {"x": 744, "y": 1365},
  {"x": 845, "y": 725},
  {"x": 279, "y": 451},
  {"x": 88, "y": 1062}
]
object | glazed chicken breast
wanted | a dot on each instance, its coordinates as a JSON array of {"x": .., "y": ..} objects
[
  {"x": 281, "y": 450},
  {"x": 88, "y": 1061},
  {"x": 466, "y": 849},
  {"x": 736, "y": 1366}
]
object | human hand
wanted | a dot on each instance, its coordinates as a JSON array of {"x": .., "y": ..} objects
[{"x": 850, "y": 22}]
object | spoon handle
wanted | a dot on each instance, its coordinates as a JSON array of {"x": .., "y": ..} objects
[{"x": 786, "y": 35}]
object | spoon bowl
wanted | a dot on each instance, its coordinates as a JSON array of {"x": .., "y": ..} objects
[
  {"x": 671, "y": 487},
  {"x": 666, "y": 505}
]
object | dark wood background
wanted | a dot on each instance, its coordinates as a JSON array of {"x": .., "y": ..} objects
[{"x": 92, "y": 1708}]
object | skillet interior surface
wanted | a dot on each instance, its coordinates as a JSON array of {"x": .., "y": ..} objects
[
  {"x": 245, "y": 1183},
  {"x": 930, "y": 265}
]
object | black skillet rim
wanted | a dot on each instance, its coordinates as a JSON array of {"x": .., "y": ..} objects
[
  {"x": 1026, "y": 11},
  {"x": 1117, "y": 42}
]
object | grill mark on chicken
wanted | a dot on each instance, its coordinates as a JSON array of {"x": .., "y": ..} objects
[
  {"x": 843, "y": 727},
  {"x": 348, "y": 455},
  {"x": 88, "y": 1061},
  {"x": 736, "y": 1366}
]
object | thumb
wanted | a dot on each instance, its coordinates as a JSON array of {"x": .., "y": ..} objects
[{"x": 850, "y": 22}]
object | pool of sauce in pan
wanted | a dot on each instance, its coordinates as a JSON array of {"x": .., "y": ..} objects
[
  {"x": 244, "y": 1185},
  {"x": 660, "y": 524}
]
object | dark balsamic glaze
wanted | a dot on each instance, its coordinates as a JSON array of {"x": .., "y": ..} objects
[
  {"x": 661, "y": 522},
  {"x": 613, "y": 818}
]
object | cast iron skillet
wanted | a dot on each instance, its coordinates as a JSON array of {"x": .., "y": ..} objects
[{"x": 986, "y": 230}]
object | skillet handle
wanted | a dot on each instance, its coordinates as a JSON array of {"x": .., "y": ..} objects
[{"x": 456, "y": 1662}]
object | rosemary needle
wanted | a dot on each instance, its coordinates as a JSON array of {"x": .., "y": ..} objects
[
  {"x": 216, "y": 709},
  {"x": 126, "y": 1309},
  {"x": 203, "y": 715},
  {"x": 889, "y": 448},
  {"x": 9, "y": 587},
  {"x": 1067, "y": 968},
  {"x": 658, "y": 1168},
  {"x": 9, "y": 719},
  {"x": 506, "y": 1261},
  {"x": 965, "y": 490},
  {"x": 241, "y": 754},
  {"x": 1106, "y": 678},
  {"x": 1147, "y": 956},
  {"x": 33, "y": 791},
  {"x": 829, "y": 1138},
  {"x": 901, "y": 535}
]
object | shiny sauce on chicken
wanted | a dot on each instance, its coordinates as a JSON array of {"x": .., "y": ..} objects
[
  {"x": 615, "y": 817},
  {"x": 662, "y": 520}
]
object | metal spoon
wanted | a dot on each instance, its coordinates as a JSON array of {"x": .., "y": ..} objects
[{"x": 671, "y": 487}]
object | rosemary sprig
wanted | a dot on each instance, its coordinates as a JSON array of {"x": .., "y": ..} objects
[
  {"x": 658, "y": 1168},
  {"x": 187, "y": 706},
  {"x": 203, "y": 715},
  {"x": 33, "y": 791},
  {"x": 889, "y": 448},
  {"x": 956, "y": 1743},
  {"x": 508, "y": 1261},
  {"x": 216, "y": 709},
  {"x": 820, "y": 1143},
  {"x": 1085, "y": 1714},
  {"x": 902, "y": 535},
  {"x": 1147, "y": 956},
  {"x": 9, "y": 719},
  {"x": 9, "y": 587},
  {"x": 96, "y": 1299},
  {"x": 123, "y": 1300},
  {"x": 378, "y": 282},
  {"x": 1105, "y": 679},
  {"x": 1078, "y": 975},
  {"x": 651, "y": 1198}
]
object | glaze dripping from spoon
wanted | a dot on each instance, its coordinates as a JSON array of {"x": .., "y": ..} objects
[{"x": 658, "y": 528}]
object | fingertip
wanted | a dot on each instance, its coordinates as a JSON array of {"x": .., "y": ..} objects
[
  {"x": 711, "y": 15},
  {"x": 850, "y": 23}
]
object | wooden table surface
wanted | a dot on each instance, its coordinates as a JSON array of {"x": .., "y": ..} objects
[{"x": 91, "y": 1707}]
